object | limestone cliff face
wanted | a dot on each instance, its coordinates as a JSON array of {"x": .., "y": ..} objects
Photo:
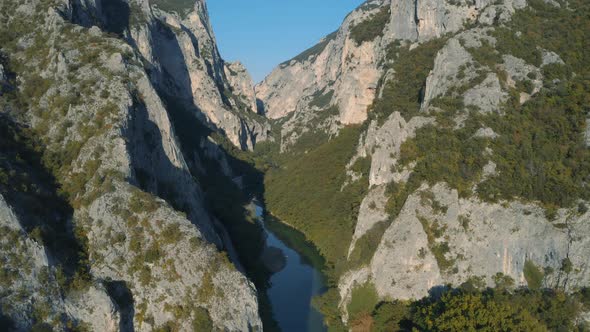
[
  {"x": 99, "y": 100},
  {"x": 179, "y": 49},
  {"x": 242, "y": 84},
  {"x": 484, "y": 239},
  {"x": 343, "y": 73},
  {"x": 333, "y": 84}
]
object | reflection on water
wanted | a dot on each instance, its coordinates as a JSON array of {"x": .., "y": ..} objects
[{"x": 293, "y": 287}]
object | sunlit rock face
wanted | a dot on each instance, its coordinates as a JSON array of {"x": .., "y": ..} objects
[
  {"x": 111, "y": 232},
  {"x": 333, "y": 85},
  {"x": 342, "y": 73}
]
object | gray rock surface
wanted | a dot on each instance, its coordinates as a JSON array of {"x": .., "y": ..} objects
[
  {"x": 371, "y": 212},
  {"x": 486, "y": 133},
  {"x": 551, "y": 57},
  {"x": 346, "y": 75},
  {"x": 382, "y": 144},
  {"x": 519, "y": 71},
  {"x": 186, "y": 62},
  {"x": 23, "y": 262},
  {"x": 96, "y": 308},
  {"x": 504, "y": 237},
  {"x": 241, "y": 83},
  {"x": 3, "y": 77},
  {"x": 444, "y": 75},
  {"x": 487, "y": 96},
  {"x": 124, "y": 156},
  {"x": 30, "y": 282}
]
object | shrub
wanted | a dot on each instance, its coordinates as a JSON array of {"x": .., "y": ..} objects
[
  {"x": 404, "y": 92},
  {"x": 202, "y": 320},
  {"x": 439, "y": 249},
  {"x": 366, "y": 245},
  {"x": 372, "y": 27},
  {"x": 207, "y": 288},
  {"x": 391, "y": 316},
  {"x": 321, "y": 99},
  {"x": 533, "y": 275},
  {"x": 363, "y": 300},
  {"x": 362, "y": 166},
  {"x": 171, "y": 234},
  {"x": 142, "y": 202}
]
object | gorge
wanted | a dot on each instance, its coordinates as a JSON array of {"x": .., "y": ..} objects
[{"x": 428, "y": 155}]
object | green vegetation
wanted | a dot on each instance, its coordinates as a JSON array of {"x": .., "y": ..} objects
[
  {"x": 372, "y": 27},
  {"x": 363, "y": 299},
  {"x": 468, "y": 309},
  {"x": 445, "y": 154},
  {"x": 327, "y": 304},
  {"x": 311, "y": 137},
  {"x": 390, "y": 316},
  {"x": 182, "y": 7},
  {"x": 202, "y": 320},
  {"x": 533, "y": 275},
  {"x": 434, "y": 231},
  {"x": 306, "y": 193},
  {"x": 321, "y": 99},
  {"x": 540, "y": 153},
  {"x": 404, "y": 92},
  {"x": 366, "y": 245}
]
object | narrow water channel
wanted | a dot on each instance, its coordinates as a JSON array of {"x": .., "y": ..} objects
[{"x": 293, "y": 287}]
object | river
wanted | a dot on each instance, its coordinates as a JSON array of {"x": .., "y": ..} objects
[{"x": 293, "y": 287}]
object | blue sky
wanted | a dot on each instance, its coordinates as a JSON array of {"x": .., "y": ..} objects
[{"x": 264, "y": 33}]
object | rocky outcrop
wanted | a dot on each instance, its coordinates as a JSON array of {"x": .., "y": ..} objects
[
  {"x": 242, "y": 85},
  {"x": 25, "y": 268},
  {"x": 96, "y": 308},
  {"x": 153, "y": 256},
  {"x": 371, "y": 212},
  {"x": 336, "y": 72},
  {"x": 551, "y": 57},
  {"x": 3, "y": 77},
  {"x": 382, "y": 144},
  {"x": 180, "y": 52},
  {"x": 444, "y": 76},
  {"x": 439, "y": 238},
  {"x": 426, "y": 19},
  {"x": 31, "y": 282},
  {"x": 486, "y": 96},
  {"x": 483, "y": 240},
  {"x": 339, "y": 72},
  {"x": 479, "y": 240}
]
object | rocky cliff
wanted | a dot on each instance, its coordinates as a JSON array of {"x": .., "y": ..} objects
[
  {"x": 178, "y": 48},
  {"x": 343, "y": 70},
  {"x": 443, "y": 90},
  {"x": 112, "y": 228}
]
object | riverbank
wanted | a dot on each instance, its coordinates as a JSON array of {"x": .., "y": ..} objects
[{"x": 298, "y": 280}]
